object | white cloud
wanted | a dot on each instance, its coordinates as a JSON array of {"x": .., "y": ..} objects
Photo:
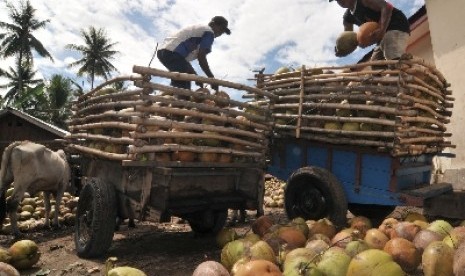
[{"x": 265, "y": 33}]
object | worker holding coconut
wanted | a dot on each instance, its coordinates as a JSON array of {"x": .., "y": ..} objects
[
  {"x": 188, "y": 44},
  {"x": 380, "y": 23}
]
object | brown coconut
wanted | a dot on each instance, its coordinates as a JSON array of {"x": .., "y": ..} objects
[
  {"x": 364, "y": 33},
  {"x": 404, "y": 253}
]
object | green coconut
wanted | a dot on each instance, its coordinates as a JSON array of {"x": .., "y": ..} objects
[{"x": 346, "y": 43}]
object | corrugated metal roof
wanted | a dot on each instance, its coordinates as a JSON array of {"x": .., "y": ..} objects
[{"x": 33, "y": 120}]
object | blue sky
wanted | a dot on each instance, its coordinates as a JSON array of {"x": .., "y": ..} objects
[{"x": 265, "y": 33}]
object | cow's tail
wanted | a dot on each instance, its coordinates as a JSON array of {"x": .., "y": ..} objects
[{"x": 3, "y": 185}]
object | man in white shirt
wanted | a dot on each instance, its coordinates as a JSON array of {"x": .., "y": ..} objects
[{"x": 190, "y": 43}]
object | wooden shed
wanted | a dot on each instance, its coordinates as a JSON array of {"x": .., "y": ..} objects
[{"x": 16, "y": 125}]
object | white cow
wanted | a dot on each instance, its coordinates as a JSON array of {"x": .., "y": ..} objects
[{"x": 33, "y": 168}]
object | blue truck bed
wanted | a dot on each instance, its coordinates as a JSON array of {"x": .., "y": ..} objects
[{"x": 366, "y": 175}]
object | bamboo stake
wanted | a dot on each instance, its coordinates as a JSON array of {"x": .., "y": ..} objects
[
  {"x": 111, "y": 114},
  {"x": 190, "y": 126},
  {"x": 99, "y": 153},
  {"x": 197, "y": 149},
  {"x": 340, "y": 140},
  {"x": 193, "y": 135},
  {"x": 187, "y": 112},
  {"x": 117, "y": 79},
  {"x": 377, "y": 121},
  {"x": 191, "y": 77},
  {"x": 103, "y": 138},
  {"x": 112, "y": 96},
  {"x": 419, "y": 119},
  {"x": 119, "y": 125},
  {"x": 384, "y": 134},
  {"x": 210, "y": 108},
  {"x": 107, "y": 106},
  {"x": 404, "y": 141},
  {"x": 302, "y": 89},
  {"x": 376, "y": 108},
  {"x": 350, "y": 97}
]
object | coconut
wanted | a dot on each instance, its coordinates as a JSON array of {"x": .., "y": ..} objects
[
  {"x": 233, "y": 251},
  {"x": 355, "y": 247},
  {"x": 290, "y": 257},
  {"x": 343, "y": 237},
  {"x": 455, "y": 237},
  {"x": 8, "y": 270},
  {"x": 360, "y": 223},
  {"x": 261, "y": 225},
  {"x": 258, "y": 267},
  {"x": 224, "y": 96},
  {"x": 210, "y": 268},
  {"x": 184, "y": 156},
  {"x": 334, "y": 262},
  {"x": 197, "y": 96},
  {"x": 351, "y": 126},
  {"x": 208, "y": 157},
  {"x": 366, "y": 261},
  {"x": 437, "y": 259},
  {"x": 404, "y": 253},
  {"x": 333, "y": 125},
  {"x": 292, "y": 236},
  {"x": 346, "y": 43},
  {"x": 440, "y": 226},
  {"x": 24, "y": 254},
  {"x": 424, "y": 238},
  {"x": 322, "y": 226},
  {"x": 459, "y": 260},
  {"x": 261, "y": 250},
  {"x": 225, "y": 235},
  {"x": 302, "y": 265},
  {"x": 5, "y": 256},
  {"x": 387, "y": 226},
  {"x": 364, "y": 33},
  {"x": 317, "y": 246},
  {"x": 225, "y": 158},
  {"x": 375, "y": 238},
  {"x": 125, "y": 271},
  {"x": 406, "y": 230},
  {"x": 300, "y": 224}
]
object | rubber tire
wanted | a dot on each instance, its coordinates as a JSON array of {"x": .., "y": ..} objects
[
  {"x": 93, "y": 236},
  {"x": 197, "y": 224},
  {"x": 314, "y": 193}
]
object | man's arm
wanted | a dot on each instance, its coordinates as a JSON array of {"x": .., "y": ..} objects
[
  {"x": 202, "y": 57},
  {"x": 385, "y": 18}
]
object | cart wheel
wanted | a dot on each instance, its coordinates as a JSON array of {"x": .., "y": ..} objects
[
  {"x": 315, "y": 193},
  {"x": 376, "y": 213},
  {"x": 95, "y": 219},
  {"x": 207, "y": 222}
]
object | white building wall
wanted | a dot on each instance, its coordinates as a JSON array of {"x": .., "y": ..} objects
[{"x": 447, "y": 30}]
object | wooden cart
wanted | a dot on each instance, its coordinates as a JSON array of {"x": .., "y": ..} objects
[{"x": 157, "y": 151}]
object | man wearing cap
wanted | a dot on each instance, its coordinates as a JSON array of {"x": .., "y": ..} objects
[
  {"x": 190, "y": 43},
  {"x": 393, "y": 31}
]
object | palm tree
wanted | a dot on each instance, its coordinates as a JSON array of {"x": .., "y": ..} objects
[
  {"x": 19, "y": 80},
  {"x": 96, "y": 53},
  {"x": 59, "y": 93},
  {"x": 18, "y": 39}
]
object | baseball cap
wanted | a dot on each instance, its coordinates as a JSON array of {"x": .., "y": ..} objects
[{"x": 221, "y": 21}]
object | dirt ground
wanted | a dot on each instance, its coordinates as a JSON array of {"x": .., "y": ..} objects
[{"x": 168, "y": 249}]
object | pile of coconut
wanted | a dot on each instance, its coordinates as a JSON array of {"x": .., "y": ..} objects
[
  {"x": 159, "y": 123},
  {"x": 408, "y": 245},
  {"x": 31, "y": 212},
  {"x": 396, "y": 106}
]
